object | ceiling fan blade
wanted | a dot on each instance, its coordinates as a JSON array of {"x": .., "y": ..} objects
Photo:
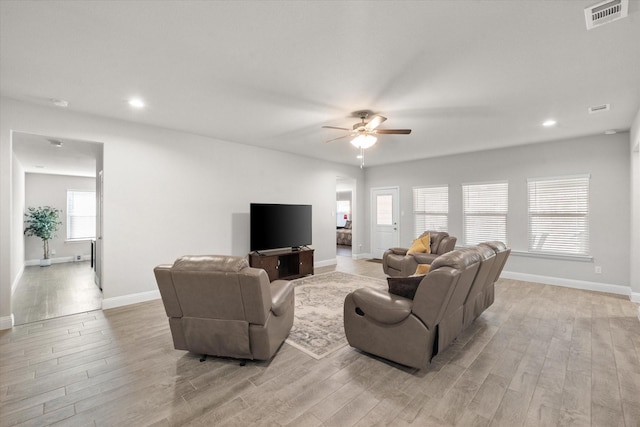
[
  {"x": 375, "y": 122},
  {"x": 340, "y": 137},
  {"x": 334, "y": 127},
  {"x": 393, "y": 131}
]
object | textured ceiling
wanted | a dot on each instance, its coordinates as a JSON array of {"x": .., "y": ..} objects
[{"x": 464, "y": 75}]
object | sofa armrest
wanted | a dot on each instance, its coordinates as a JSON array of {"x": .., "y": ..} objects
[
  {"x": 399, "y": 251},
  {"x": 281, "y": 292},
  {"x": 381, "y": 305},
  {"x": 424, "y": 258}
]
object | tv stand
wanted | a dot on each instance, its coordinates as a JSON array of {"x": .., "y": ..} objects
[{"x": 286, "y": 264}]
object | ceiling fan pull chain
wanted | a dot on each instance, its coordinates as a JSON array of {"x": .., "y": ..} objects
[{"x": 361, "y": 157}]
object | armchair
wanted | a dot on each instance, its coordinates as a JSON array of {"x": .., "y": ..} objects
[
  {"x": 396, "y": 261},
  {"x": 217, "y": 305}
]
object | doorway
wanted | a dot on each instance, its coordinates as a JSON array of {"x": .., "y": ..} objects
[
  {"x": 60, "y": 173},
  {"x": 384, "y": 220},
  {"x": 345, "y": 224}
]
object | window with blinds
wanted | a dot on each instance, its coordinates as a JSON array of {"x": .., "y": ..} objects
[
  {"x": 559, "y": 215},
  {"x": 430, "y": 209},
  {"x": 81, "y": 215},
  {"x": 485, "y": 207}
]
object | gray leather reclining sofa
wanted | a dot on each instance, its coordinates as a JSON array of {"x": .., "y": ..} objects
[{"x": 456, "y": 290}]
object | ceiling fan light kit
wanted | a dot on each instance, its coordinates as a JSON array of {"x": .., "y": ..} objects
[
  {"x": 364, "y": 133},
  {"x": 364, "y": 141}
]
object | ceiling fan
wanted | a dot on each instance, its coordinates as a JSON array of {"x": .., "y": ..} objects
[{"x": 364, "y": 133}]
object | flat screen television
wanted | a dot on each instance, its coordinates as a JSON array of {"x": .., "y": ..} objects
[{"x": 276, "y": 226}]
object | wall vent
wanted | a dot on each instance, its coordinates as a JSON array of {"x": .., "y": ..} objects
[
  {"x": 599, "y": 108},
  {"x": 605, "y": 12}
]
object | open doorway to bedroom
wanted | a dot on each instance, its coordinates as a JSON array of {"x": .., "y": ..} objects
[
  {"x": 62, "y": 174},
  {"x": 345, "y": 191}
]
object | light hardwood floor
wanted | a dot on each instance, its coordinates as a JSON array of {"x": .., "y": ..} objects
[
  {"x": 55, "y": 291},
  {"x": 540, "y": 356}
]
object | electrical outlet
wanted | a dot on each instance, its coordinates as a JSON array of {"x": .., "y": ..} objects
[
  {"x": 598, "y": 269},
  {"x": 53, "y": 251}
]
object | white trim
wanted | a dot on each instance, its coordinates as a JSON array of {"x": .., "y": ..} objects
[
  {"x": 114, "y": 302},
  {"x": 325, "y": 263},
  {"x": 570, "y": 283},
  {"x": 362, "y": 256},
  {"x": 15, "y": 283},
  {"x": 635, "y": 297},
  {"x": 547, "y": 255},
  {"x": 554, "y": 178},
  {"x": 59, "y": 260},
  {"x": 6, "y": 322}
]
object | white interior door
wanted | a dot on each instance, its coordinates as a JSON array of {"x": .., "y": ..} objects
[{"x": 384, "y": 219}]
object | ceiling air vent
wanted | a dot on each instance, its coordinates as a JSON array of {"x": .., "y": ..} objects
[
  {"x": 599, "y": 108},
  {"x": 605, "y": 12}
]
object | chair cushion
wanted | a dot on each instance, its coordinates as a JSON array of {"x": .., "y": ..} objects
[
  {"x": 422, "y": 269},
  {"x": 421, "y": 245},
  {"x": 404, "y": 286}
]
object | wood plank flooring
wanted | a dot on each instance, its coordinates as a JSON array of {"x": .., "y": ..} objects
[
  {"x": 540, "y": 356},
  {"x": 55, "y": 291}
]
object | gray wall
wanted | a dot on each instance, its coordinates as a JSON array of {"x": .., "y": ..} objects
[
  {"x": 606, "y": 158},
  {"x": 634, "y": 251},
  {"x": 51, "y": 190},
  {"x": 166, "y": 194}
]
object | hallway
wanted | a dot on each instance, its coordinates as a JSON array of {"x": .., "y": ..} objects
[{"x": 55, "y": 291}]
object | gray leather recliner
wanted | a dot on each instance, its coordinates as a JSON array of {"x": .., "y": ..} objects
[
  {"x": 217, "y": 305},
  {"x": 396, "y": 262}
]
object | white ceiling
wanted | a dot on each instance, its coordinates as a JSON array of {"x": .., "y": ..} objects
[
  {"x": 464, "y": 75},
  {"x": 56, "y": 156}
]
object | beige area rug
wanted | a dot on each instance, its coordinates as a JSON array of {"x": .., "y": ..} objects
[{"x": 318, "y": 324}]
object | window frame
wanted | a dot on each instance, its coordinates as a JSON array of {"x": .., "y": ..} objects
[
  {"x": 71, "y": 215},
  {"x": 470, "y": 239},
  {"x": 563, "y": 213},
  {"x": 420, "y": 226}
]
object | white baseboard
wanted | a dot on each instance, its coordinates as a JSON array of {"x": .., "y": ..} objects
[
  {"x": 6, "y": 322},
  {"x": 362, "y": 256},
  {"x": 635, "y": 297},
  {"x": 325, "y": 263},
  {"x": 570, "y": 283},
  {"x": 59, "y": 260},
  {"x": 114, "y": 302}
]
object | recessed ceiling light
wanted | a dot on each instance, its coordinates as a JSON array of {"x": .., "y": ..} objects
[
  {"x": 610, "y": 132},
  {"x": 60, "y": 103},
  {"x": 549, "y": 123},
  {"x": 136, "y": 103},
  {"x": 55, "y": 143}
]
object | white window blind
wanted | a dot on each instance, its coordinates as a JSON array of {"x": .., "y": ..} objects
[
  {"x": 559, "y": 215},
  {"x": 485, "y": 207},
  {"x": 430, "y": 209},
  {"x": 81, "y": 214}
]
